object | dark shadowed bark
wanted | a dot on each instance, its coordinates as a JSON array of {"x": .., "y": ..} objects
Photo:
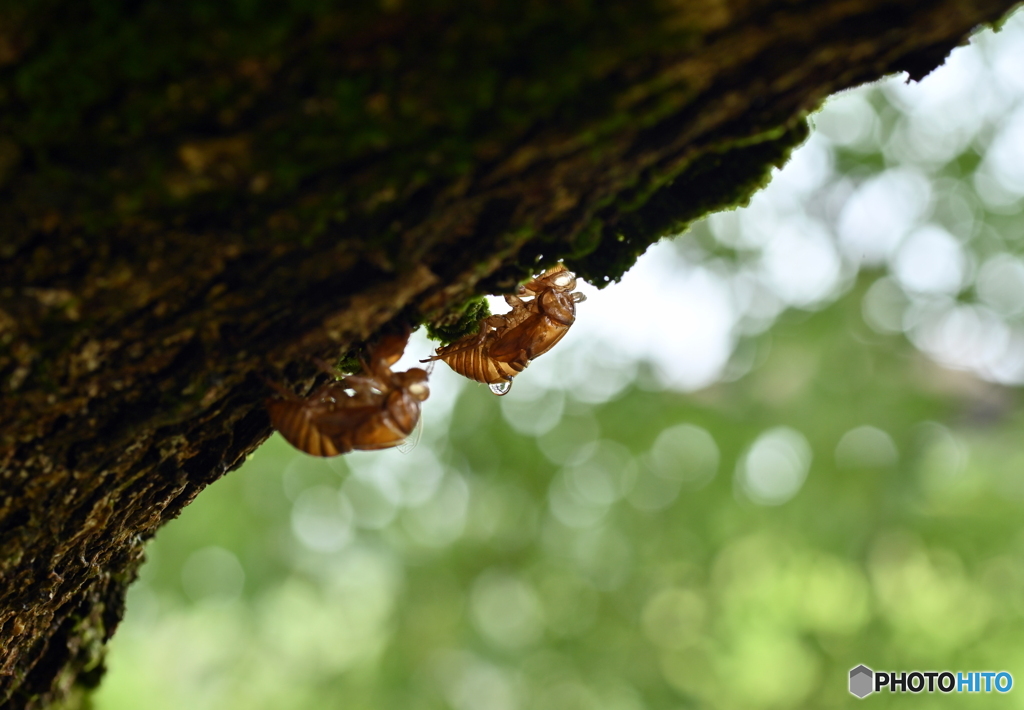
[{"x": 194, "y": 195}]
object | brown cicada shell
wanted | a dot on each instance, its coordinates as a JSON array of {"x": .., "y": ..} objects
[
  {"x": 376, "y": 410},
  {"x": 505, "y": 344}
]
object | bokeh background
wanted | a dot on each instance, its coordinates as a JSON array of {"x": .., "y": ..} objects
[{"x": 789, "y": 442}]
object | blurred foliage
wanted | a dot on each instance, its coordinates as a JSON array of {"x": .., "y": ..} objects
[{"x": 836, "y": 497}]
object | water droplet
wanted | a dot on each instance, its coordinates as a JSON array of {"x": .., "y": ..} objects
[{"x": 500, "y": 388}]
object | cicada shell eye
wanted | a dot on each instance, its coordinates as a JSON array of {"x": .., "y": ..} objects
[
  {"x": 414, "y": 381},
  {"x": 565, "y": 281}
]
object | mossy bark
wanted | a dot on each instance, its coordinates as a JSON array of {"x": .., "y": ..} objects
[{"x": 195, "y": 194}]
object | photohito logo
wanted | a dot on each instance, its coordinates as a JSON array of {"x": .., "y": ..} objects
[{"x": 864, "y": 681}]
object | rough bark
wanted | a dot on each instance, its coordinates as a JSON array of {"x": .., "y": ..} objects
[{"x": 193, "y": 195}]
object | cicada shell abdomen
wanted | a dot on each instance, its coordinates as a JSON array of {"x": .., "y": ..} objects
[
  {"x": 472, "y": 362},
  {"x": 294, "y": 419}
]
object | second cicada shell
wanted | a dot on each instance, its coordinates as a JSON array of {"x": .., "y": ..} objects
[
  {"x": 506, "y": 343},
  {"x": 376, "y": 410}
]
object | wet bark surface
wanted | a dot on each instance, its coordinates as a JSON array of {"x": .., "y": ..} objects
[{"x": 195, "y": 198}]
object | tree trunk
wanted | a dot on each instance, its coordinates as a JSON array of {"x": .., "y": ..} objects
[{"x": 197, "y": 195}]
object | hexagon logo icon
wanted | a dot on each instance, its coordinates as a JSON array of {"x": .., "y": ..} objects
[{"x": 861, "y": 681}]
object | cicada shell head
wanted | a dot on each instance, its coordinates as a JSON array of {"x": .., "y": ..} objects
[
  {"x": 557, "y": 278},
  {"x": 413, "y": 381}
]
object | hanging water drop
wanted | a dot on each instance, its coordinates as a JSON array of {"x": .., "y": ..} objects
[{"x": 500, "y": 388}]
